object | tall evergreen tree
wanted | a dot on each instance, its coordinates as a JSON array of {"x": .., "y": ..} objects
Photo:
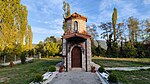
[
  {"x": 114, "y": 21},
  {"x": 66, "y": 8}
]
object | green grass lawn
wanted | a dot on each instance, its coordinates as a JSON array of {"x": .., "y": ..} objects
[
  {"x": 127, "y": 77},
  {"x": 133, "y": 77},
  {"x": 122, "y": 62},
  {"x": 24, "y": 74}
]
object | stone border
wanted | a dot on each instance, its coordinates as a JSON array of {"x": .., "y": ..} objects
[
  {"x": 104, "y": 81},
  {"x": 50, "y": 78}
]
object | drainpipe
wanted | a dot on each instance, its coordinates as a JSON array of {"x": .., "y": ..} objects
[
  {"x": 66, "y": 57},
  {"x": 86, "y": 54}
]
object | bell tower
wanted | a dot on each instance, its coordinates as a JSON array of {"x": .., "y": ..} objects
[
  {"x": 76, "y": 23},
  {"x": 76, "y": 51}
]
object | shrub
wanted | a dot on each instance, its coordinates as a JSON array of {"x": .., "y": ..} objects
[
  {"x": 99, "y": 51},
  {"x": 23, "y": 58},
  {"x": 38, "y": 78},
  {"x": 115, "y": 50},
  {"x": 148, "y": 69},
  {"x": 93, "y": 69},
  {"x": 129, "y": 51},
  {"x": 52, "y": 68},
  {"x": 61, "y": 68},
  {"x": 11, "y": 64},
  {"x": 101, "y": 69},
  {"x": 112, "y": 78},
  {"x": 142, "y": 69}
]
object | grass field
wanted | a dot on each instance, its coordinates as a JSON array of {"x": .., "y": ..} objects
[
  {"x": 24, "y": 74},
  {"x": 133, "y": 77},
  {"x": 122, "y": 62},
  {"x": 127, "y": 77}
]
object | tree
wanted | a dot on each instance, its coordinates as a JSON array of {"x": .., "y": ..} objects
[
  {"x": 107, "y": 30},
  {"x": 96, "y": 50},
  {"x": 133, "y": 25},
  {"x": 92, "y": 31},
  {"x": 52, "y": 48},
  {"x": 147, "y": 24},
  {"x": 50, "y": 39},
  {"x": 53, "y": 39},
  {"x": 114, "y": 21},
  {"x": 66, "y": 8},
  {"x": 14, "y": 27},
  {"x": 147, "y": 30},
  {"x": 107, "y": 35},
  {"x": 40, "y": 47},
  {"x": 129, "y": 51},
  {"x": 30, "y": 37}
]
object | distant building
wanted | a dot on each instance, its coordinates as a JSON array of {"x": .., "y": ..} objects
[{"x": 76, "y": 44}]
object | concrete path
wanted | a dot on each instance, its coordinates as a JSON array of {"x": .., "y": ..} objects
[
  {"x": 127, "y": 68},
  {"x": 76, "y": 78},
  {"x": 120, "y": 68},
  {"x": 16, "y": 62}
]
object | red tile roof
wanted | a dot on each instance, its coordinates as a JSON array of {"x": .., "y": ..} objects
[
  {"x": 77, "y": 16},
  {"x": 85, "y": 36}
]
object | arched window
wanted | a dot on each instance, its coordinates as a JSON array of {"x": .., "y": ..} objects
[{"x": 76, "y": 26}]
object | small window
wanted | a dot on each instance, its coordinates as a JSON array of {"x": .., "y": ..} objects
[{"x": 76, "y": 26}]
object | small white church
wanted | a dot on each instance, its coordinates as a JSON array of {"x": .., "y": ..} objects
[{"x": 76, "y": 44}]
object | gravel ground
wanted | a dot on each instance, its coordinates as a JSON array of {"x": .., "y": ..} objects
[{"x": 76, "y": 78}]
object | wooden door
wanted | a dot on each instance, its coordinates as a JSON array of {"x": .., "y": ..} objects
[{"x": 76, "y": 58}]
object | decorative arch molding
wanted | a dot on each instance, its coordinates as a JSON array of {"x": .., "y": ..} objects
[
  {"x": 70, "y": 57},
  {"x": 71, "y": 47}
]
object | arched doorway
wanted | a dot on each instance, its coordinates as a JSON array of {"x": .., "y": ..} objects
[{"x": 76, "y": 57}]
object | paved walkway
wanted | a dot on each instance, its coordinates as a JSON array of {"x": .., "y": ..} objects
[
  {"x": 127, "y": 68},
  {"x": 76, "y": 78},
  {"x": 120, "y": 68},
  {"x": 16, "y": 62}
]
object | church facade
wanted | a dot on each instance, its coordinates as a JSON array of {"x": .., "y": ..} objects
[{"x": 76, "y": 44}]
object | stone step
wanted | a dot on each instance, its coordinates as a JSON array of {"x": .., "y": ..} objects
[{"x": 77, "y": 70}]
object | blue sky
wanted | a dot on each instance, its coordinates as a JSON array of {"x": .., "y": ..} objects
[{"x": 45, "y": 16}]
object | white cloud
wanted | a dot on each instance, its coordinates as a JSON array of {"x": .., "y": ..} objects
[
  {"x": 146, "y": 2},
  {"x": 105, "y": 4},
  {"x": 46, "y": 15},
  {"x": 144, "y": 16},
  {"x": 38, "y": 30},
  {"x": 105, "y": 10},
  {"x": 125, "y": 9}
]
